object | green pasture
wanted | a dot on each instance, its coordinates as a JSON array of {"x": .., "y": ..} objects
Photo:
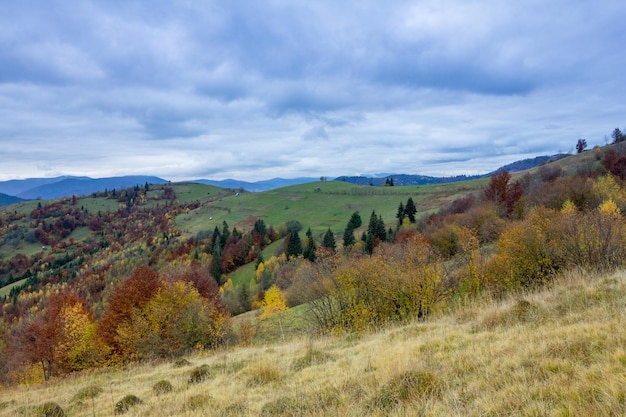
[
  {"x": 4, "y": 291},
  {"x": 319, "y": 205}
]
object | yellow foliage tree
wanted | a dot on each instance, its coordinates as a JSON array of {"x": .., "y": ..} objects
[
  {"x": 79, "y": 346},
  {"x": 176, "y": 318},
  {"x": 274, "y": 302}
]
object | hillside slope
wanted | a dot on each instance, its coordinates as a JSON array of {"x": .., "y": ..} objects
[{"x": 558, "y": 352}]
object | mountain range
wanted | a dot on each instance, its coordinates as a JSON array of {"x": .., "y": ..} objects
[{"x": 13, "y": 191}]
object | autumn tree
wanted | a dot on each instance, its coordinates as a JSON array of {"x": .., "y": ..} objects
[
  {"x": 503, "y": 193},
  {"x": 128, "y": 295},
  {"x": 175, "y": 319},
  {"x": 581, "y": 145},
  {"x": 273, "y": 304}
]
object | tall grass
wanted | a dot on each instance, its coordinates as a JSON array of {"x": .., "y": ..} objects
[{"x": 559, "y": 352}]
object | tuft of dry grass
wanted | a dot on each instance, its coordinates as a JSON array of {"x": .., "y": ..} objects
[{"x": 558, "y": 352}]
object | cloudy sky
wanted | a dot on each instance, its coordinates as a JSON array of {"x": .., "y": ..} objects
[{"x": 260, "y": 89}]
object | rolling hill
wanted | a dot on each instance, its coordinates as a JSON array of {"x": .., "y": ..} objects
[
  {"x": 59, "y": 187},
  {"x": 6, "y": 200}
]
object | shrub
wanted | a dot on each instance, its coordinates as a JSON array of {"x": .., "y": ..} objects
[
  {"x": 200, "y": 374},
  {"x": 162, "y": 387},
  {"x": 181, "y": 362},
  {"x": 312, "y": 357},
  {"x": 397, "y": 283},
  {"x": 408, "y": 386},
  {"x": 50, "y": 409},
  {"x": 264, "y": 374},
  {"x": 126, "y": 403},
  {"x": 198, "y": 401},
  {"x": 87, "y": 393}
]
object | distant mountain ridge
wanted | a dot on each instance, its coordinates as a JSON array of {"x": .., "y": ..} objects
[
  {"x": 66, "y": 186},
  {"x": 258, "y": 185},
  {"x": 59, "y": 187},
  {"x": 6, "y": 200},
  {"x": 404, "y": 179}
]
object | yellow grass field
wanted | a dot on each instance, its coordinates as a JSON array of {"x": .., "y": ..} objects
[{"x": 560, "y": 352}]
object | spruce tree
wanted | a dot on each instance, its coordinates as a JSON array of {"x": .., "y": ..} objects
[
  {"x": 410, "y": 210},
  {"x": 400, "y": 214},
  {"x": 348, "y": 236},
  {"x": 309, "y": 249},
  {"x": 294, "y": 245},
  {"x": 355, "y": 220},
  {"x": 329, "y": 240}
]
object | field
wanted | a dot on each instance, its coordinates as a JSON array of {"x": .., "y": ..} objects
[
  {"x": 560, "y": 352},
  {"x": 319, "y": 205}
]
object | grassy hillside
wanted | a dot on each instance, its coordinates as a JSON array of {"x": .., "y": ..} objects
[
  {"x": 555, "y": 353},
  {"x": 319, "y": 205}
]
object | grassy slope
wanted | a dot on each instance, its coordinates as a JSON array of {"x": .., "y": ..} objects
[
  {"x": 557, "y": 353},
  {"x": 330, "y": 207}
]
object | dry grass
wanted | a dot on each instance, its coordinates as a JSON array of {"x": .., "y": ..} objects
[{"x": 561, "y": 352}]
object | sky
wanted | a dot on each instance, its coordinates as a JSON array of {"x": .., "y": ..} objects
[{"x": 254, "y": 90}]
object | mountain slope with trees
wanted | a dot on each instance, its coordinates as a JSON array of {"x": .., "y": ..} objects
[{"x": 90, "y": 282}]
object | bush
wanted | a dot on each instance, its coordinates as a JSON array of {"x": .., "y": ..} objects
[
  {"x": 408, "y": 386},
  {"x": 126, "y": 403},
  {"x": 198, "y": 401},
  {"x": 50, "y": 409},
  {"x": 264, "y": 374},
  {"x": 399, "y": 282},
  {"x": 312, "y": 357},
  {"x": 87, "y": 393},
  {"x": 181, "y": 362},
  {"x": 162, "y": 387},
  {"x": 200, "y": 374}
]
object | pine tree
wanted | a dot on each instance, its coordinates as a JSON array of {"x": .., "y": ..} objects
[
  {"x": 410, "y": 210},
  {"x": 369, "y": 244},
  {"x": 355, "y": 220},
  {"x": 329, "y": 240},
  {"x": 294, "y": 245},
  {"x": 400, "y": 214},
  {"x": 348, "y": 236},
  {"x": 309, "y": 249}
]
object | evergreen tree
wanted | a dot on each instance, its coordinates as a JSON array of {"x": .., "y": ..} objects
[
  {"x": 376, "y": 227},
  {"x": 259, "y": 226},
  {"x": 355, "y": 220},
  {"x": 216, "y": 267},
  {"x": 410, "y": 210},
  {"x": 225, "y": 235},
  {"x": 294, "y": 245},
  {"x": 348, "y": 236},
  {"x": 380, "y": 231},
  {"x": 329, "y": 240},
  {"x": 400, "y": 214},
  {"x": 243, "y": 296},
  {"x": 309, "y": 249},
  {"x": 259, "y": 260},
  {"x": 369, "y": 244}
]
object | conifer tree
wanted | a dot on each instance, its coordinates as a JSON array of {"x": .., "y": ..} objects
[
  {"x": 400, "y": 214},
  {"x": 410, "y": 210},
  {"x": 329, "y": 240},
  {"x": 294, "y": 245},
  {"x": 348, "y": 236},
  {"x": 309, "y": 249}
]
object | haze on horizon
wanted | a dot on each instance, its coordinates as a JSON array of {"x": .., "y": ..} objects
[{"x": 257, "y": 90}]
